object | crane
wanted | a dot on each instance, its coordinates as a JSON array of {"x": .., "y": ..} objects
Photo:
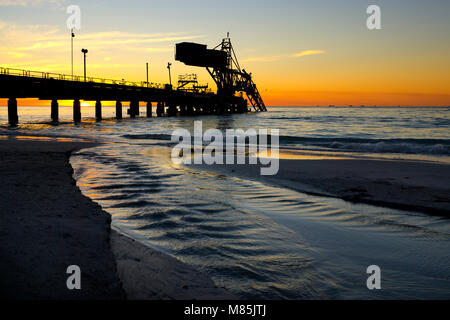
[{"x": 222, "y": 64}]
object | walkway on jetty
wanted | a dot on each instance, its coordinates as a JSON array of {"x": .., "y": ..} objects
[{"x": 17, "y": 83}]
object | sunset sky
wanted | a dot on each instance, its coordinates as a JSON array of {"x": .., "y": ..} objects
[{"x": 301, "y": 53}]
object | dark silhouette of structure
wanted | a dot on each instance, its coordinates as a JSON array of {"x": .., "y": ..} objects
[
  {"x": 224, "y": 68},
  {"x": 188, "y": 99},
  {"x": 84, "y": 51},
  {"x": 189, "y": 83}
]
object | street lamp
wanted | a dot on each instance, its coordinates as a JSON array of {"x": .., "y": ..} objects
[
  {"x": 71, "y": 41},
  {"x": 170, "y": 77},
  {"x": 147, "y": 74},
  {"x": 85, "y": 51}
]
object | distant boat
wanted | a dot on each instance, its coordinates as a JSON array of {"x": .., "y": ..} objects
[{"x": 331, "y": 106}]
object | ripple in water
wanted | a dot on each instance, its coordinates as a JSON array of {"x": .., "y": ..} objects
[{"x": 263, "y": 242}]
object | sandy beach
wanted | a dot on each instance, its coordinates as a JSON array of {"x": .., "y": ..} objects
[
  {"x": 408, "y": 185},
  {"x": 48, "y": 225}
]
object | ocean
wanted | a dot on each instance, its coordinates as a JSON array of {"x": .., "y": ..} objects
[{"x": 262, "y": 241}]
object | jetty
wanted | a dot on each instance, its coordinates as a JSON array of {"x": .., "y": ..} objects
[{"x": 236, "y": 91}]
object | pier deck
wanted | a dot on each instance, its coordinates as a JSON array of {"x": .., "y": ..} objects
[{"x": 17, "y": 83}]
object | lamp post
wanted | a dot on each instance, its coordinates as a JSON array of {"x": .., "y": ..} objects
[
  {"x": 72, "y": 35},
  {"x": 85, "y": 51},
  {"x": 147, "y": 74},
  {"x": 170, "y": 77}
]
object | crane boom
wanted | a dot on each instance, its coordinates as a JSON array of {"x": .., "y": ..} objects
[{"x": 224, "y": 68}]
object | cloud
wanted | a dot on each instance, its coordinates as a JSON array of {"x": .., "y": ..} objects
[
  {"x": 26, "y": 3},
  {"x": 112, "y": 54},
  {"x": 159, "y": 49},
  {"x": 17, "y": 54},
  {"x": 308, "y": 53},
  {"x": 26, "y": 39},
  {"x": 263, "y": 59},
  {"x": 115, "y": 35},
  {"x": 147, "y": 40},
  {"x": 124, "y": 40},
  {"x": 282, "y": 57}
]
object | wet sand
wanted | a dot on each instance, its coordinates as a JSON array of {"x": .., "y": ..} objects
[
  {"x": 408, "y": 185},
  {"x": 148, "y": 274},
  {"x": 48, "y": 225}
]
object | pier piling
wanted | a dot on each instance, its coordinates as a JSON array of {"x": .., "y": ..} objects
[
  {"x": 98, "y": 110},
  {"x": 149, "y": 109},
  {"x": 172, "y": 110},
  {"x": 76, "y": 111},
  {"x": 118, "y": 110},
  {"x": 183, "y": 110},
  {"x": 133, "y": 111},
  {"x": 160, "y": 109},
  {"x": 13, "y": 116},
  {"x": 55, "y": 111}
]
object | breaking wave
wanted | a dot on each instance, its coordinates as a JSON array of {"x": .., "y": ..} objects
[{"x": 405, "y": 146}]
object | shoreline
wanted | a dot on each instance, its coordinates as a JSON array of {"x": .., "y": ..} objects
[
  {"x": 397, "y": 184},
  {"x": 149, "y": 274},
  {"x": 49, "y": 225}
]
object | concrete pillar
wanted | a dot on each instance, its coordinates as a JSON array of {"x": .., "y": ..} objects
[
  {"x": 242, "y": 107},
  {"x": 172, "y": 110},
  {"x": 98, "y": 110},
  {"x": 118, "y": 110},
  {"x": 160, "y": 109},
  {"x": 136, "y": 108},
  {"x": 190, "y": 110},
  {"x": 183, "y": 109},
  {"x": 55, "y": 110},
  {"x": 149, "y": 109},
  {"x": 133, "y": 111},
  {"x": 13, "y": 116},
  {"x": 76, "y": 111}
]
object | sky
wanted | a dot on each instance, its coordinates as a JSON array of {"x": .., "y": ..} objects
[{"x": 301, "y": 53}]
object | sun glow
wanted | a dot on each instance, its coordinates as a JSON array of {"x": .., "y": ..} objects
[{"x": 320, "y": 66}]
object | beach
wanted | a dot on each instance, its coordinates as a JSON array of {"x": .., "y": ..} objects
[
  {"x": 402, "y": 184},
  {"x": 341, "y": 201},
  {"x": 48, "y": 225},
  {"x": 122, "y": 124}
]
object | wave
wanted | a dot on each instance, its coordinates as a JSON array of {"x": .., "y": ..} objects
[
  {"x": 154, "y": 136},
  {"x": 406, "y": 146}
]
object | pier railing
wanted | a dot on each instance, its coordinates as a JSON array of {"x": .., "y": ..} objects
[{"x": 59, "y": 76}]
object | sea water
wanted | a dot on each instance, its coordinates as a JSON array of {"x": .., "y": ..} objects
[{"x": 261, "y": 241}]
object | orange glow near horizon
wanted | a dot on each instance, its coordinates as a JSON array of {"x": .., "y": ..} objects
[
  {"x": 299, "y": 99},
  {"x": 307, "y": 61}
]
